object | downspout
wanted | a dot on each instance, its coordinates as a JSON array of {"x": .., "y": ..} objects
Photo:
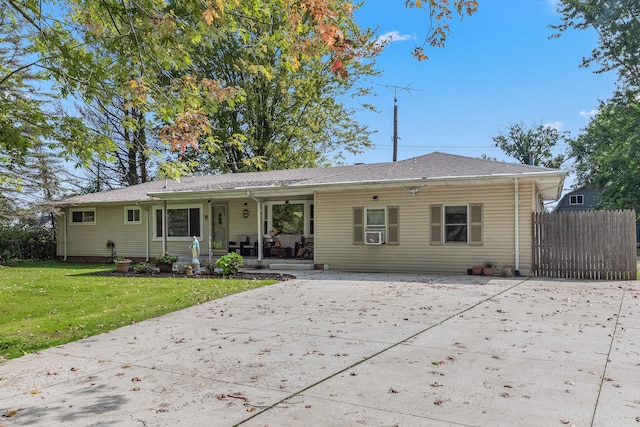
[
  {"x": 517, "y": 225},
  {"x": 64, "y": 235},
  {"x": 259, "y": 202},
  {"x": 165, "y": 227}
]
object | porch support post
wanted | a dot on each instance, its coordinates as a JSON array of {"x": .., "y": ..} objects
[
  {"x": 259, "y": 204},
  {"x": 165, "y": 227},
  {"x": 148, "y": 248},
  {"x": 516, "y": 210},
  {"x": 210, "y": 216}
]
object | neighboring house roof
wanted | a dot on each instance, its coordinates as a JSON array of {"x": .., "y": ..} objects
[
  {"x": 427, "y": 169},
  {"x": 580, "y": 199}
]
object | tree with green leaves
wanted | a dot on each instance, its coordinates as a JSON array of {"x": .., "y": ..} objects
[
  {"x": 617, "y": 24},
  {"x": 144, "y": 52},
  {"x": 285, "y": 117},
  {"x": 532, "y": 145},
  {"x": 607, "y": 154}
]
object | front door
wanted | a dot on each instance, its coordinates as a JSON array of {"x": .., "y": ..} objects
[{"x": 219, "y": 226}]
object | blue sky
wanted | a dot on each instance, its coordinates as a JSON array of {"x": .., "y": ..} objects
[{"x": 498, "y": 67}]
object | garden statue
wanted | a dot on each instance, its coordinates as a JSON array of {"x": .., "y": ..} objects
[{"x": 195, "y": 250}]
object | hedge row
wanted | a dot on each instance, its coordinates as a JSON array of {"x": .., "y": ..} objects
[{"x": 27, "y": 242}]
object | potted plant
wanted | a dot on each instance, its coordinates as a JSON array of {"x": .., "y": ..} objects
[
  {"x": 122, "y": 264},
  {"x": 488, "y": 269},
  {"x": 477, "y": 270},
  {"x": 166, "y": 261}
]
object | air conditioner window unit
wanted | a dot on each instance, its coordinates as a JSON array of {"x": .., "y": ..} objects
[{"x": 374, "y": 237}]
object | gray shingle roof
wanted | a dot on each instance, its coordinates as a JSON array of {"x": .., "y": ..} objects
[{"x": 430, "y": 166}]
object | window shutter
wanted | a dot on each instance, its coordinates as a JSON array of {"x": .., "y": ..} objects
[
  {"x": 475, "y": 224},
  {"x": 436, "y": 224},
  {"x": 358, "y": 226},
  {"x": 392, "y": 225}
]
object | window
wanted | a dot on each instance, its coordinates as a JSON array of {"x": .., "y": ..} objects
[
  {"x": 86, "y": 216},
  {"x": 373, "y": 226},
  {"x": 577, "y": 199},
  {"x": 132, "y": 215},
  {"x": 182, "y": 222},
  {"x": 456, "y": 224}
]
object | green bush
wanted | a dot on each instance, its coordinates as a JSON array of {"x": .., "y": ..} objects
[
  {"x": 27, "y": 242},
  {"x": 229, "y": 264},
  {"x": 143, "y": 268}
]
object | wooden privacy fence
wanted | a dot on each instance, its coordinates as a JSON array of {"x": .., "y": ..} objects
[{"x": 585, "y": 245}]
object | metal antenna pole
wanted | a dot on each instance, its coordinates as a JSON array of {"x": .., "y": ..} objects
[
  {"x": 395, "y": 128},
  {"x": 408, "y": 89}
]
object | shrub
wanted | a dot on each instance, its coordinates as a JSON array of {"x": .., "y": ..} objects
[
  {"x": 143, "y": 268},
  {"x": 229, "y": 264},
  {"x": 210, "y": 267},
  {"x": 27, "y": 242}
]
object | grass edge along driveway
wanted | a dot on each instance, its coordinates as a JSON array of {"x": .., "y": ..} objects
[{"x": 44, "y": 304}]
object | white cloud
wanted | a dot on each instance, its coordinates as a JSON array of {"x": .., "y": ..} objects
[
  {"x": 591, "y": 113},
  {"x": 391, "y": 37},
  {"x": 553, "y": 125}
]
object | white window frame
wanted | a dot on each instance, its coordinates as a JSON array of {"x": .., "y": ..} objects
[
  {"x": 576, "y": 199},
  {"x": 126, "y": 215},
  {"x": 157, "y": 238},
  {"x": 83, "y": 210},
  {"x": 375, "y": 227}
]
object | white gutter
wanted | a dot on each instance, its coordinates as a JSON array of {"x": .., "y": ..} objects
[
  {"x": 517, "y": 226},
  {"x": 305, "y": 185}
]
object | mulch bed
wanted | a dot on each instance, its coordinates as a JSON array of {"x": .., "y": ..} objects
[{"x": 244, "y": 276}]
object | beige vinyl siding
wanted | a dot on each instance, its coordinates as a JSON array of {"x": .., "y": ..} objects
[
  {"x": 237, "y": 223},
  {"x": 414, "y": 253},
  {"x": 130, "y": 239},
  {"x": 91, "y": 240}
]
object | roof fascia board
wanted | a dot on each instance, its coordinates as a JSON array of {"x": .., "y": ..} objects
[{"x": 299, "y": 189}]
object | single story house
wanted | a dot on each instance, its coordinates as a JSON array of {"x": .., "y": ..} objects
[{"x": 436, "y": 213}]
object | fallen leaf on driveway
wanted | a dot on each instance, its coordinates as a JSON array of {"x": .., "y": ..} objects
[{"x": 9, "y": 413}]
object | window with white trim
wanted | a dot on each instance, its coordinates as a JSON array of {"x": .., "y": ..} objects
[
  {"x": 132, "y": 215},
  {"x": 183, "y": 222},
  {"x": 576, "y": 199},
  {"x": 82, "y": 216},
  {"x": 455, "y": 224},
  {"x": 368, "y": 222}
]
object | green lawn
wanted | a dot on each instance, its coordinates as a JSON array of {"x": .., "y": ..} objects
[{"x": 44, "y": 304}]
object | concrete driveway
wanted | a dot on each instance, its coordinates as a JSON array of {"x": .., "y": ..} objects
[{"x": 339, "y": 349}]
